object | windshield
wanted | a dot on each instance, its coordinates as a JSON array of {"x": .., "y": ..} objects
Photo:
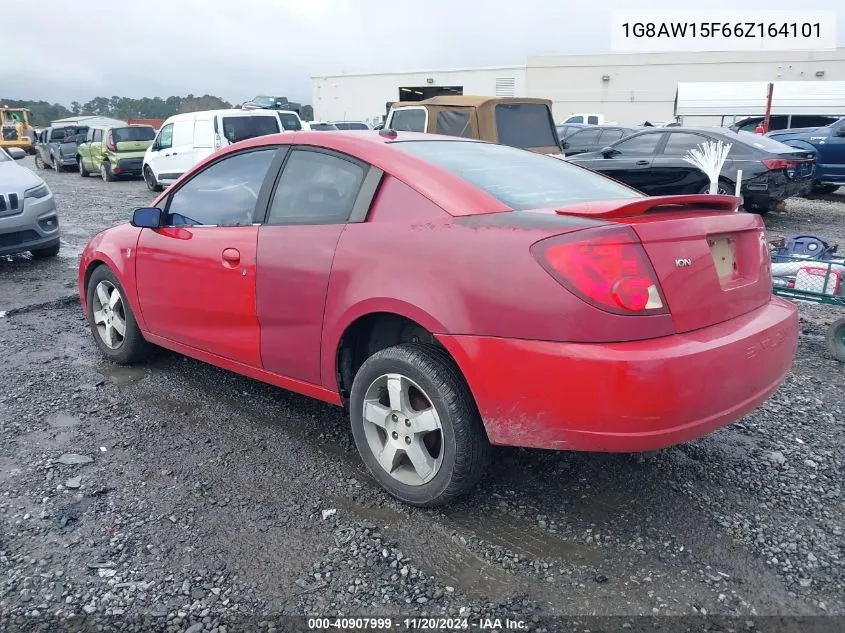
[
  {"x": 322, "y": 127},
  {"x": 350, "y": 125},
  {"x": 525, "y": 125},
  {"x": 139, "y": 133},
  {"x": 239, "y": 128},
  {"x": 520, "y": 179}
]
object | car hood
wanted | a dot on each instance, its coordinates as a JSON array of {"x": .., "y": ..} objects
[{"x": 13, "y": 176}]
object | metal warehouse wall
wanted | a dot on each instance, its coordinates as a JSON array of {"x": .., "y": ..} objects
[
  {"x": 642, "y": 86},
  {"x": 362, "y": 96}
]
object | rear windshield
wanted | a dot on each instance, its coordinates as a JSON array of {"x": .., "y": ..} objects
[
  {"x": 290, "y": 122},
  {"x": 140, "y": 133},
  {"x": 520, "y": 179},
  {"x": 348, "y": 125},
  {"x": 764, "y": 143},
  {"x": 525, "y": 125},
  {"x": 240, "y": 128}
]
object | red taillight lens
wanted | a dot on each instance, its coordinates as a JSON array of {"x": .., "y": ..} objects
[
  {"x": 609, "y": 269},
  {"x": 110, "y": 143},
  {"x": 778, "y": 163}
]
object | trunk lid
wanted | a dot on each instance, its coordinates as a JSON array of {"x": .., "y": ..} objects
[
  {"x": 132, "y": 146},
  {"x": 712, "y": 262}
]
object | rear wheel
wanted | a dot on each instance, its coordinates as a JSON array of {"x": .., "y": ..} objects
[
  {"x": 105, "y": 171},
  {"x": 824, "y": 190},
  {"x": 416, "y": 425},
  {"x": 836, "y": 340},
  {"x": 150, "y": 179},
  {"x": 39, "y": 162},
  {"x": 50, "y": 251},
  {"x": 111, "y": 320},
  {"x": 82, "y": 171},
  {"x": 57, "y": 166},
  {"x": 725, "y": 188}
]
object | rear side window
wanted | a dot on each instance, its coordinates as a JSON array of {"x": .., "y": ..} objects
[
  {"x": 593, "y": 120},
  {"x": 583, "y": 139},
  {"x": 610, "y": 135},
  {"x": 525, "y": 125},
  {"x": 520, "y": 179},
  {"x": 316, "y": 188},
  {"x": 290, "y": 122},
  {"x": 240, "y": 128},
  {"x": 642, "y": 145},
  {"x": 140, "y": 133},
  {"x": 454, "y": 123},
  {"x": 408, "y": 120},
  {"x": 680, "y": 143},
  {"x": 98, "y": 136}
]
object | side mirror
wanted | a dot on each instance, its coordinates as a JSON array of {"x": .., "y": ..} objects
[
  {"x": 607, "y": 152},
  {"x": 16, "y": 153},
  {"x": 146, "y": 218}
]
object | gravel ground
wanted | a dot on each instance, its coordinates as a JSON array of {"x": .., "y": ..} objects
[{"x": 204, "y": 501}]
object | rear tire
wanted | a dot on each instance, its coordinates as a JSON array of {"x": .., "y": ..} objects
[
  {"x": 726, "y": 187},
  {"x": 82, "y": 171},
  {"x": 150, "y": 180},
  {"x": 126, "y": 348},
  {"x": 430, "y": 377},
  {"x": 43, "y": 253},
  {"x": 57, "y": 166},
  {"x": 836, "y": 340},
  {"x": 824, "y": 190},
  {"x": 39, "y": 162},
  {"x": 105, "y": 171}
]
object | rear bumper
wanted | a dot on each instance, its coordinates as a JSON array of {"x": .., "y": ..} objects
[
  {"x": 130, "y": 166},
  {"x": 627, "y": 397}
]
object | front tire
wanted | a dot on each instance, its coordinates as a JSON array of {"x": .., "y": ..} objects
[
  {"x": 112, "y": 322},
  {"x": 416, "y": 425},
  {"x": 150, "y": 180},
  {"x": 836, "y": 340},
  {"x": 82, "y": 171},
  {"x": 105, "y": 171}
]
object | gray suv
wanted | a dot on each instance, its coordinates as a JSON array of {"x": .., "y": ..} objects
[{"x": 28, "y": 218}]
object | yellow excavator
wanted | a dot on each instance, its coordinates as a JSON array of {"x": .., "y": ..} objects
[{"x": 15, "y": 129}]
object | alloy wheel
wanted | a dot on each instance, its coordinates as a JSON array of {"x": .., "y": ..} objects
[
  {"x": 109, "y": 314},
  {"x": 403, "y": 429}
]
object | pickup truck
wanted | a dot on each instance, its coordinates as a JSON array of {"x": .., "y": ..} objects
[
  {"x": 828, "y": 146},
  {"x": 56, "y": 147}
]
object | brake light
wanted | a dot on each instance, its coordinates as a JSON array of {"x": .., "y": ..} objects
[
  {"x": 608, "y": 269},
  {"x": 778, "y": 163},
  {"x": 110, "y": 143}
]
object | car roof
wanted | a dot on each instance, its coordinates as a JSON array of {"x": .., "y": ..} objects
[
  {"x": 450, "y": 192},
  {"x": 470, "y": 101}
]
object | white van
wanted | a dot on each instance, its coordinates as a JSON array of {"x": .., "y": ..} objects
[{"x": 185, "y": 139}]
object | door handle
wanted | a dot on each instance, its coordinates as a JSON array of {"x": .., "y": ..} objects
[
  {"x": 231, "y": 256},
  {"x": 167, "y": 154},
  {"x": 641, "y": 162}
]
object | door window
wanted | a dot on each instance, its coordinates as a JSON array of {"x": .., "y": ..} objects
[
  {"x": 680, "y": 143},
  {"x": 642, "y": 145},
  {"x": 582, "y": 140},
  {"x": 316, "y": 188},
  {"x": 224, "y": 194},
  {"x": 409, "y": 120},
  {"x": 610, "y": 136},
  {"x": 593, "y": 120},
  {"x": 165, "y": 137}
]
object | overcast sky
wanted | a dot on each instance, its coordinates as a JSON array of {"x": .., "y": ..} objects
[{"x": 75, "y": 50}]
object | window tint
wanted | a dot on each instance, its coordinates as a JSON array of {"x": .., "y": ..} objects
[
  {"x": 642, "y": 145},
  {"x": 165, "y": 137},
  {"x": 290, "y": 121},
  {"x": 98, "y": 136},
  {"x": 680, "y": 143},
  {"x": 183, "y": 133},
  {"x": 315, "y": 188},
  {"x": 525, "y": 125},
  {"x": 240, "y": 128},
  {"x": 223, "y": 194},
  {"x": 140, "y": 133},
  {"x": 582, "y": 139},
  {"x": 520, "y": 179},
  {"x": 408, "y": 120},
  {"x": 593, "y": 120},
  {"x": 454, "y": 123},
  {"x": 610, "y": 135}
]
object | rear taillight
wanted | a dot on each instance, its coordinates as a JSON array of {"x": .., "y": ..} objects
[
  {"x": 110, "y": 143},
  {"x": 778, "y": 163},
  {"x": 608, "y": 269}
]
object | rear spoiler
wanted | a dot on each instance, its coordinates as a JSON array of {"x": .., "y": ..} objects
[{"x": 608, "y": 209}]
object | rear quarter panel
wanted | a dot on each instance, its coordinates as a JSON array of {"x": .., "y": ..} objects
[{"x": 471, "y": 275}]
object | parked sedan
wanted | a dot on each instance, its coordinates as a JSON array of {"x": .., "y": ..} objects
[
  {"x": 570, "y": 128},
  {"x": 594, "y": 138},
  {"x": 453, "y": 294},
  {"x": 652, "y": 161},
  {"x": 28, "y": 218}
]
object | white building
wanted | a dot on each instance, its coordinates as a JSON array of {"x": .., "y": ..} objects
[{"x": 628, "y": 87}]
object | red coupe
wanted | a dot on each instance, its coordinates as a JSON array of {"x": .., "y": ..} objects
[{"x": 453, "y": 294}]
